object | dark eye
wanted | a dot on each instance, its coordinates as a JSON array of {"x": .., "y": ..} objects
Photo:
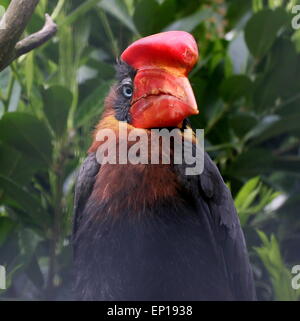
[{"x": 127, "y": 91}]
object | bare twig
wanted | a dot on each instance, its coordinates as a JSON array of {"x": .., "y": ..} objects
[{"x": 17, "y": 17}]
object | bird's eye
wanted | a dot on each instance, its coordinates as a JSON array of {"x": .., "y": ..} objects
[{"x": 127, "y": 91}]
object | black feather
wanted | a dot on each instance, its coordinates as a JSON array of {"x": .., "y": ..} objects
[
  {"x": 124, "y": 71},
  {"x": 83, "y": 188},
  {"x": 188, "y": 248}
]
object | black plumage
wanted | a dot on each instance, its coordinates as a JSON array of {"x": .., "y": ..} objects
[{"x": 189, "y": 246}]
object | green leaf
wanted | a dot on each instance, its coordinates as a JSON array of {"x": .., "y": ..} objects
[
  {"x": 242, "y": 123},
  {"x": 165, "y": 15},
  {"x": 252, "y": 198},
  {"x": 280, "y": 79},
  {"x": 246, "y": 196},
  {"x": 16, "y": 165},
  {"x": 6, "y": 227},
  {"x": 118, "y": 9},
  {"x": 34, "y": 272},
  {"x": 81, "y": 32},
  {"x": 150, "y": 16},
  {"x": 105, "y": 70},
  {"x": 5, "y": 3},
  {"x": 92, "y": 105},
  {"x": 28, "y": 135},
  {"x": 263, "y": 237},
  {"x": 25, "y": 201},
  {"x": 242, "y": 200},
  {"x": 4, "y": 79},
  {"x": 283, "y": 125},
  {"x": 262, "y": 126},
  {"x": 78, "y": 12},
  {"x": 238, "y": 53},
  {"x": 236, "y": 13},
  {"x": 28, "y": 243},
  {"x": 262, "y": 29},
  {"x": 235, "y": 87},
  {"x": 144, "y": 14},
  {"x": 15, "y": 96},
  {"x": 29, "y": 71},
  {"x": 287, "y": 165},
  {"x": 67, "y": 65},
  {"x": 251, "y": 163},
  {"x": 189, "y": 23},
  {"x": 57, "y": 103},
  {"x": 296, "y": 40},
  {"x": 281, "y": 277}
]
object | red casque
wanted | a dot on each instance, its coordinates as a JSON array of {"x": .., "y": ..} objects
[{"x": 163, "y": 96}]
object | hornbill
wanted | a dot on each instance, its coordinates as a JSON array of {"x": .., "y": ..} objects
[{"x": 149, "y": 231}]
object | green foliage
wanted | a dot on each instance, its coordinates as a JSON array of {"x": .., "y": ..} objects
[
  {"x": 281, "y": 277},
  {"x": 235, "y": 87},
  {"x": 248, "y": 92},
  {"x": 57, "y": 101},
  {"x": 252, "y": 198},
  {"x": 28, "y": 135},
  {"x": 262, "y": 29}
]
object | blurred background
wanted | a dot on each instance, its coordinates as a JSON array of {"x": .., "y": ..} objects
[{"x": 248, "y": 92}]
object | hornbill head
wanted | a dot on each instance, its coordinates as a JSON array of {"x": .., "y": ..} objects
[{"x": 153, "y": 89}]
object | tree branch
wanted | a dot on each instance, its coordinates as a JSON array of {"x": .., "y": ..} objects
[
  {"x": 17, "y": 17},
  {"x": 37, "y": 39}
]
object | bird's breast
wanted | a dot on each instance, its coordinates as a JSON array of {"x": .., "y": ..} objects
[
  {"x": 162, "y": 253},
  {"x": 134, "y": 187}
]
